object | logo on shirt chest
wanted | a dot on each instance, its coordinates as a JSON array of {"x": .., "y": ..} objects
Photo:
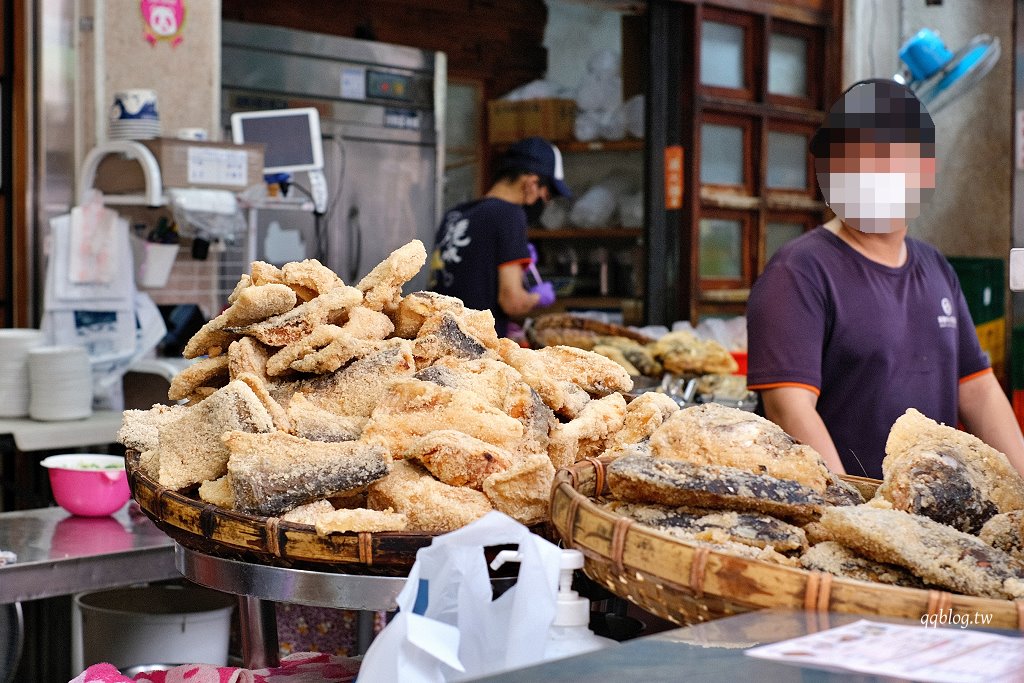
[{"x": 947, "y": 319}]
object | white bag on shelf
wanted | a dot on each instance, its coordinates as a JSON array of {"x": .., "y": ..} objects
[
  {"x": 555, "y": 214},
  {"x": 588, "y": 126},
  {"x": 631, "y": 210},
  {"x": 634, "y": 110}
]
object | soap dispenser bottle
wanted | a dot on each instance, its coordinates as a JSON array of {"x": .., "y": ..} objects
[{"x": 570, "y": 632}]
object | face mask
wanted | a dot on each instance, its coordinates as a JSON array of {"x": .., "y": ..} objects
[
  {"x": 870, "y": 202},
  {"x": 533, "y": 212}
]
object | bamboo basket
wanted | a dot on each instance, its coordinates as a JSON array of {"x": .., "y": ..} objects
[
  {"x": 687, "y": 584},
  {"x": 539, "y": 330},
  {"x": 217, "y": 531}
]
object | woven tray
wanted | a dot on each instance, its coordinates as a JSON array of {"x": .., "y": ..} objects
[
  {"x": 687, "y": 584},
  {"x": 553, "y": 329},
  {"x": 217, "y": 531}
]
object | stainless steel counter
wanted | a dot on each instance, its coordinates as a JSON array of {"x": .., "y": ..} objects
[{"x": 60, "y": 554}]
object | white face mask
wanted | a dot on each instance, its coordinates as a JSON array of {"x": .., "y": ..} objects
[{"x": 872, "y": 202}]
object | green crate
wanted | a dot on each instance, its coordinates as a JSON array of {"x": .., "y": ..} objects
[{"x": 983, "y": 283}]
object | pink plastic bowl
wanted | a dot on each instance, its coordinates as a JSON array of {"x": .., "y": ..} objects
[{"x": 88, "y": 485}]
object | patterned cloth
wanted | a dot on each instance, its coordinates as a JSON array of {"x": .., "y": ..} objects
[
  {"x": 320, "y": 629},
  {"x": 302, "y": 667}
]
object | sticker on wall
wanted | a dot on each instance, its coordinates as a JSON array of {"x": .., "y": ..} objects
[
  {"x": 164, "y": 20},
  {"x": 673, "y": 177}
]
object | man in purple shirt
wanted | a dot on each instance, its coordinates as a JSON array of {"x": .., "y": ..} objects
[{"x": 854, "y": 322}]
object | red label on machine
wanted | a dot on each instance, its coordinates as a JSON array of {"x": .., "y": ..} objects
[{"x": 674, "y": 177}]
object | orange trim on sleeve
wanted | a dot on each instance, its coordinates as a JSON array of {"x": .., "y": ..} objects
[
  {"x": 779, "y": 385},
  {"x": 517, "y": 262},
  {"x": 974, "y": 375}
]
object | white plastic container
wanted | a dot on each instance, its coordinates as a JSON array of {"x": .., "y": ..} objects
[
  {"x": 570, "y": 632},
  {"x": 142, "y": 625}
]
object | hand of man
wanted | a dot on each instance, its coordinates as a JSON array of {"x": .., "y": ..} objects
[{"x": 547, "y": 293}]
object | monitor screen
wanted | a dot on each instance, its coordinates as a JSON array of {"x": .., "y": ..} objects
[{"x": 291, "y": 138}]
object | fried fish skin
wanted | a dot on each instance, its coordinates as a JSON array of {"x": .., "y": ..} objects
[
  {"x": 589, "y": 434},
  {"x": 459, "y": 459},
  {"x": 644, "y": 414},
  {"x": 839, "y": 560},
  {"x": 252, "y": 304},
  {"x": 430, "y": 506},
  {"x": 382, "y": 286}
]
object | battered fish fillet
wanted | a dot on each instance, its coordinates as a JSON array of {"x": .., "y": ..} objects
[
  {"x": 360, "y": 520},
  {"x": 252, "y": 304},
  {"x": 312, "y": 422},
  {"x": 356, "y": 389},
  {"x": 418, "y": 306},
  {"x": 310, "y": 278},
  {"x": 260, "y": 388},
  {"x": 458, "y": 459},
  {"x": 501, "y": 386},
  {"x": 275, "y": 472},
  {"x": 218, "y": 492},
  {"x": 190, "y": 449},
  {"x": 839, "y": 560},
  {"x": 644, "y": 415},
  {"x": 243, "y": 282},
  {"x": 589, "y": 434},
  {"x": 562, "y": 395},
  {"x": 1005, "y": 532},
  {"x": 733, "y": 387},
  {"x": 759, "y": 531},
  {"x": 364, "y": 323},
  {"x": 382, "y": 286},
  {"x": 296, "y": 323},
  {"x": 430, "y": 506},
  {"x": 338, "y": 353},
  {"x": 410, "y": 409},
  {"x": 839, "y": 492},
  {"x": 714, "y": 434},
  {"x": 946, "y": 474},
  {"x": 263, "y": 273},
  {"x": 683, "y": 353},
  {"x": 639, "y": 355},
  {"x": 139, "y": 429},
  {"x": 614, "y": 354},
  {"x": 280, "y": 362},
  {"x": 523, "y": 491},
  {"x": 816, "y": 533},
  {"x": 204, "y": 372},
  {"x": 640, "y": 479},
  {"x": 935, "y": 552},
  {"x": 444, "y": 335},
  {"x": 307, "y": 513},
  {"x": 247, "y": 356}
]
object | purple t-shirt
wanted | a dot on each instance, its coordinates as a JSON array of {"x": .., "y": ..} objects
[{"x": 873, "y": 340}]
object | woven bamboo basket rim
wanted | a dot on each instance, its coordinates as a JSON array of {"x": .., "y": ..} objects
[
  {"x": 217, "y": 531},
  {"x": 570, "y": 321},
  {"x": 687, "y": 583}
]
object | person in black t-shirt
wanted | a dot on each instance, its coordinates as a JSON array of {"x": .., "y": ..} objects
[{"x": 480, "y": 250}]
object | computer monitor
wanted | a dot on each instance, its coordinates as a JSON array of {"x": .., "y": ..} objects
[{"x": 291, "y": 138}]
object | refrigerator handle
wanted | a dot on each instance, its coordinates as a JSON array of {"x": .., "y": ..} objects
[{"x": 355, "y": 244}]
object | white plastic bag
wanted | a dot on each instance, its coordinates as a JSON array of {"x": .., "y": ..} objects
[{"x": 448, "y": 628}]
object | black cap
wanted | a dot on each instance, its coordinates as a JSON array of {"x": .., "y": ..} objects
[{"x": 537, "y": 155}]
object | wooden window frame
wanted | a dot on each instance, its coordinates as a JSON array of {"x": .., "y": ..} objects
[
  {"x": 815, "y": 63},
  {"x": 749, "y": 24},
  {"x": 807, "y": 219},
  {"x": 747, "y": 221},
  {"x": 806, "y": 130},
  {"x": 745, "y": 123}
]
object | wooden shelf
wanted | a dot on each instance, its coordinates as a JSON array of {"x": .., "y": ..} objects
[
  {"x": 585, "y": 233},
  {"x": 574, "y": 146}
]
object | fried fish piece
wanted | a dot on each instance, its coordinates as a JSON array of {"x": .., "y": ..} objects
[
  {"x": 253, "y": 303},
  {"x": 614, "y": 354},
  {"x": 459, "y": 459},
  {"x": 338, "y": 353},
  {"x": 329, "y": 347},
  {"x": 247, "y": 355},
  {"x": 310, "y": 278},
  {"x": 946, "y": 474},
  {"x": 430, "y": 506},
  {"x": 523, "y": 491},
  {"x": 357, "y": 388},
  {"x": 359, "y": 520},
  {"x": 839, "y": 560},
  {"x": 243, "y": 282},
  {"x": 218, "y": 492},
  {"x": 203, "y": 372},
  {"x": 382, "y": 286},
  {"x": 644, "y": 415},
  {"x": 411, "y": 408},
  {"x": 640, "y": 479},
  {"x": 759, "y": 531},
  {"x": 296, "y": 323},
  {"x": 504, "y": 388},
  {"x": 190, "y": 449},
  {"x": 319, "y": 338},
  {"x": 307, "y": 513},
  {"x": 140, "y": 429},
  {"x": 275, "y": 472},
  {"x": 939, "y": 554},
  {"x": 445, "y": 335},
  {"x": 263, "y": 273},
  {"x": 416, "y": 307},
  {"x": 637, "y": 354},
  {"x": 683, "y": 353},
  {"x": 312, "y": 422},
  {"x": 260, "y": 388},
  {"x": 364, "y": 323},
  {"x": 732, "y": 387},
  {"x": 838, "y": 492},
  {"x": 1005, "y": 532},
  {"x": 714, "y": 434},
  {"x": 589, "y": 433}
]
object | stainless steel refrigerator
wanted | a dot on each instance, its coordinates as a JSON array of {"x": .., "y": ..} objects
[{"x": 382, "y": 118}]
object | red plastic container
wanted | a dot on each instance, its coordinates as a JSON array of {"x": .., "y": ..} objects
[
  {"x": 88, "y": 485},
  {"x": 741, "y": 360}
]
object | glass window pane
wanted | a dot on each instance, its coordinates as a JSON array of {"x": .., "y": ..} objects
[
  {"x": 721, "y": 154},
  {"x": 787, "y": 160},
  {"x": 777, "y": 234},
  {"x": 721, "y": 249},
  {"x": 462, "y": 115},
  {"x": 787, "y": 65},
  {"x": 721, "y": 55}
]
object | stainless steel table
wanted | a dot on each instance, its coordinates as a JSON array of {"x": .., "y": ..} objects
[{"x": 259, "y": 586}]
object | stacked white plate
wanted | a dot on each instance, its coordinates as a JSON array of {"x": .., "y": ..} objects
[
  {"x": 14, "y": 347},
  {"x": 134, "y": 129},
  {"x": 60, "y": 379}
]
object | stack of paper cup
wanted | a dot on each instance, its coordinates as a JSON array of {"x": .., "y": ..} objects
[
  {"x": 60, "y": 379},
  {"x": 134, "y": 116},
  {"x": 14, "y": 348}
]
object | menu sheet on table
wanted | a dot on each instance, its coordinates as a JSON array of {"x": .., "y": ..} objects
[{"x": 918, "y": 653}]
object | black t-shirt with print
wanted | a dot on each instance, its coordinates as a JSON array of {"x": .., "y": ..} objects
[{"x": 474, "y": 239}]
